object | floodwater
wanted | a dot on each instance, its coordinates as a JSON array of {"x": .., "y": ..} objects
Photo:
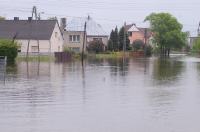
[{"x": 106, "y": 95}]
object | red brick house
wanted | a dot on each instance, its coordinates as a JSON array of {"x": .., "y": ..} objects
[{"x": 137, "y": 33}]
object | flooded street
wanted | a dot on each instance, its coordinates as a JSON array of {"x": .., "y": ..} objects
[{"x": 106, "y": 95}]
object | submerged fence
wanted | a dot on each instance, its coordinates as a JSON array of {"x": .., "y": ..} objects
[{"x": 3, "y": 63}]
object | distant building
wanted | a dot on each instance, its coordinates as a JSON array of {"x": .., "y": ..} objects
[
  {"x": 42, "y": 36},
  {"x": 137, "y": 33},
  {"x": 94, "y": 31},
  {"x": 192, "y": 40},
  {"x": 73, "y": 39}
]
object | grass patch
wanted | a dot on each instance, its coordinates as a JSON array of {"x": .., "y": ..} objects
[
  {"x": 109, "y": 55},
  {"x": 36, "y": 58}
]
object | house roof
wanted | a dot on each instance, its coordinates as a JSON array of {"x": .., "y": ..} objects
[
  {"x": 134, "y": 28},
  {"x": 127, "y": 27},
  {"x": 92, "y": 28},
  {"x": 25, "y": 29}
]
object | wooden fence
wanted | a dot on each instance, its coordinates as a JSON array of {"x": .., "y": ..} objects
[{"x": 63, "y": 56}]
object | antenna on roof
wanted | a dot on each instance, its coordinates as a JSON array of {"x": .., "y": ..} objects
[
  {"x": 89, "y": 17},
  {"x": 34, "y": 12}
]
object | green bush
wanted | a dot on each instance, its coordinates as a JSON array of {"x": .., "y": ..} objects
[
  {"x": 96, "y": 46},
  {"x": 148, "y": 49},
  {"x": 8, "y": 48},
  {"x": 196, "y": 46},
  {"x": 68, "y": 50},
  {"x": 138, "y": 45}
]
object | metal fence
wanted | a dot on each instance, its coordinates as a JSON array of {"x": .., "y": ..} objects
[{"x": 3, "y": 63}]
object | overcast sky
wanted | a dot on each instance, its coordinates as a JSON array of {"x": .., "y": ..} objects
[{"x": 108, "y": 13}]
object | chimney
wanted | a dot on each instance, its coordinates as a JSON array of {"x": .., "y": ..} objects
[
  {"x": 29, "y": 19},
  {"x": 16, "y": 18},
  {"x": 63, "y": 24}
]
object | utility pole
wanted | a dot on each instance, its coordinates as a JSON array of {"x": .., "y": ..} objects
[
  {"x": 124, "y": 44},
  {"x": 34, "y": 12},
  {"x": 198, "y": 30},
  {"x": 145, "y": 41},
  {"x": 84, "y": 39}
]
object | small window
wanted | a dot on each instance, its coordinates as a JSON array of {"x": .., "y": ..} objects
[
  {"x": 58, "y": 48},
  {"x": 74, "y": 38},
  {"x": 70, "y": 38},
  {"x": 130, "y": 34},
  {"x": 78, "y": 38},
  {"x": 56, "y": 34},
  {"x": 34, "y": 49}
]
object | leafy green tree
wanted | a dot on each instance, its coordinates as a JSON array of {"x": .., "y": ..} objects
[
  {"x": 167, "y": 32},
  {"x": 138, "y": 44},
  {"x": 196, "y": 46},
  {"x": 121, "y": 39},
  {"x": 8, "y": 48}
]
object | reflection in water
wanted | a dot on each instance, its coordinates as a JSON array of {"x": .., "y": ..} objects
[
  {"x": 166, "y": 71},
  {"x": 115, "y": 95},
  {"x": 165, "y": 91},
  {"x": 119, "y": 66}
]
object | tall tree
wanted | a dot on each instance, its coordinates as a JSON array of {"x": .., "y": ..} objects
[
  {"x": 113, "y": 43},
  {"x": 116, "y": 40},
  {"x": 110, "y": 42},
  {"x": 121, "y": 39},
  {"x": 167, "y": 32}
]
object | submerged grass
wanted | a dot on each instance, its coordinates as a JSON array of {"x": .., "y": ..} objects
[
  {"x": 76, "y": 56},
  {"x": 109, "y": 55},
  {"x": 36, "y": 58}
]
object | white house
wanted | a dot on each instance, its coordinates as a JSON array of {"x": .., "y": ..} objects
[{"x": 43, "y": 36}]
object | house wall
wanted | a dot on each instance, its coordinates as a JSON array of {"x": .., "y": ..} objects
[
  {"x": 136, "y": 36},
  {"x": 192, "y": 40},
  {"x": 55, "y": 44},
  {"x": 43, "y": 46},
  {"x": 56, "y": 40},
  {"x": 76, "y": 46}
]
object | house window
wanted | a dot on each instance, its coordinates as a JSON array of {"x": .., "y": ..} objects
[
  {"x": 20, "y": 48},
  {"x": 74, "y": 38},
  {"x": 97, "y": 39},
  {"x": 130, "y": 33},
  {"x": 56, "y": 34},
  {"x": 58, "y": 48},
  {"x": 34, "y": 49}
]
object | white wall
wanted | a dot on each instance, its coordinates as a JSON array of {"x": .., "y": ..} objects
[
  {"x": 43, "y": 45},
  {"x": 56, "y": 40},
  {"x": 55, "y": 44}
]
